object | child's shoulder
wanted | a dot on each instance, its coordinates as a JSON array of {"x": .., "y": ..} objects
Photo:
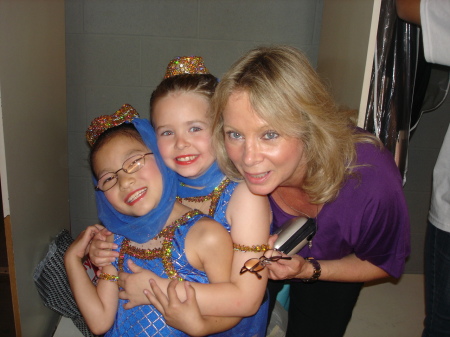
[
  {"x": 243, "y": 199},
  {"x": 208, "y": 231},
  {"x": 242, "y": 192}
]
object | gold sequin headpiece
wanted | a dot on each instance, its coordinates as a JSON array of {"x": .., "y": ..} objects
[
  {"x": 105, "y": 122},
  {"x": 186, "y": 65}
]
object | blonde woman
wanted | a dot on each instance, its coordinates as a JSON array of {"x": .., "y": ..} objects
[{"x": 277, "y": 128}]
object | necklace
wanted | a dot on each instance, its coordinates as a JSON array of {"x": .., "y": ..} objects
[
  {"x": 214, "y": 196},
  {"x": 164, "y": 252}
]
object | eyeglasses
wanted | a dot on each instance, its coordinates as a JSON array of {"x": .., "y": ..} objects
[
  {"x": 131, "y": 165},
  {"x": 255, "y": 265}
]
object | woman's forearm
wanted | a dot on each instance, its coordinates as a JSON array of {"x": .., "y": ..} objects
[{"x": 350, "y": 269}]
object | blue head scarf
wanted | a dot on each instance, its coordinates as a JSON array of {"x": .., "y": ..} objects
[
  {"x": 208, "y": 181},
  {"x": 144, "y": 228}
]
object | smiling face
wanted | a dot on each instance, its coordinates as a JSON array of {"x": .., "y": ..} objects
[
  {"x": 263, "y": 156},
  {"x": 183, "y": 132},
  {"x": 134, "y": 194}
]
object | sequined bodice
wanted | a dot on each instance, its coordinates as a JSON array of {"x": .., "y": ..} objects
[
  {"x": 253, "y": 326},
  {"x": 219, "y": 198},
  {"x": 169, "y": 262}
]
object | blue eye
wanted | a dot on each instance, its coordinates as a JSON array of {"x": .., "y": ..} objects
[
  {"x": 233, "y": 135},
  {"x": 195, "y": 129},
  {"x": 271, "y": 135},
  {"x": 166, "y": 133}
]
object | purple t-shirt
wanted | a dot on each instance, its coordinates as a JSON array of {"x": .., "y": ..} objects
[{"x": 368, "y": 218}]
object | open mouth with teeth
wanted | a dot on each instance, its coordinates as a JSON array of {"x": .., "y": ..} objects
[
  {"x": 258, "y": 176},
  {"x": 186, "y": 160},
  {"x": 135, "y": 196}
]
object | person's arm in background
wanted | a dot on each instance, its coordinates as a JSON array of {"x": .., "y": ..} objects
[
  {"x": 409, "y": 10},
  {"x": 433, "y": 18}
]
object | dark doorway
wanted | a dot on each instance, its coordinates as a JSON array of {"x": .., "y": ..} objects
[{"x": 7, "y": 327}]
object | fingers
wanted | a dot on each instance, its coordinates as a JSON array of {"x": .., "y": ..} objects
[
  {"x": 80, "y": 245},
  {"x": 101, "y": 253},
  {"x": 190, "y": 291},
  {"x": 105, "y": 231},
  {"x": 272, "y": 240},
  {"x": 133, "y": 266},
  {"x": 103, "y": 245},
  {"x": 273, "y": 276},
  {"x": 123, "y": 294},
  {"x": 102, "y": 233},
  {"x": 172, "y": 292},
  {"x": 122, "y": 281},
  {"x": 85, "y": 236},
  {"x": 99, "y": 227},
  {"x": 153, "y": 300},
  {"x": 158, "y": 298},
  {"x": 128, "y": 305}
]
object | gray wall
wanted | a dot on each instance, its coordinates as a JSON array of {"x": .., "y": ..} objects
[{"x": 117, "y": 52}]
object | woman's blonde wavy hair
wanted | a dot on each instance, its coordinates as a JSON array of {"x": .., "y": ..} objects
[{"x": 286, "y": 92}]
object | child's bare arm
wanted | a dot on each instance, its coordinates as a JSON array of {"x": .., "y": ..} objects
[
  {"x": 250, "y": 217},
  {"x": 98, "y": 305},
  {"x": 193, "y": 323}
]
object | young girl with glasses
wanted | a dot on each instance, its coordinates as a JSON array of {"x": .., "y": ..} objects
[
  {"x": 180, "y": 115},
  {"x": 135, "y": 195}
]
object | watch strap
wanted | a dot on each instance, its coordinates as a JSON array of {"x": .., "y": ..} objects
[{"x": 317, "y": 270}]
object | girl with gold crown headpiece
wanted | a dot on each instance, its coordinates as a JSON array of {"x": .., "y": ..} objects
[
  {"x": 135, "y": 194},
  {"x": 179, "y": 109}
]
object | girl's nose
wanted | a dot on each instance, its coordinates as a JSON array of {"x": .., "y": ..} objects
[
  {"x": 125, "y": 180},
  {"x": 181, "y": 142}
]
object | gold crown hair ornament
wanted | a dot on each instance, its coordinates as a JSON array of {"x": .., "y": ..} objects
[
  {"x": 105, "y": 122},
  {"x": 186, "y": 65}
]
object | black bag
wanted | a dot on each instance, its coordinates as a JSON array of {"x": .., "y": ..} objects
[{"x": 53, "y": 285}]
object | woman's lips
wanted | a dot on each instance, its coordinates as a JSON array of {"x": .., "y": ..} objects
[
  {"x": 256, "y": 178},
  {"x": 135, "y": 196}
]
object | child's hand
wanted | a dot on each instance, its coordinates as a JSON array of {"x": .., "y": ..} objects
[
  {"x": 134, "y": 284},
  {"x": 100, "y": 251},
  {"x": 184, "y": 316},
  {"x": 79, "y": 246}
]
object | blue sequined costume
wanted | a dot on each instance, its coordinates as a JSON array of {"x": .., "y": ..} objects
[
  {"x": 171, "y": 260},
  {"x": 252, "y": 326}
]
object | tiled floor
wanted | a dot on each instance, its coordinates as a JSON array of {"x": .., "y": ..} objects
[{"x": 383, "y": 310}]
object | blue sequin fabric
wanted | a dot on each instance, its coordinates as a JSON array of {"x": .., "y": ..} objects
[{"x": 145, "y": 320}]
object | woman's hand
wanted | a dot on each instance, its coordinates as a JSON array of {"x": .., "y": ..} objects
[
  {"x": 134, "y": 284},
  {"x": 287, "y": 269},
  {"x": 100, "y": 251}
]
